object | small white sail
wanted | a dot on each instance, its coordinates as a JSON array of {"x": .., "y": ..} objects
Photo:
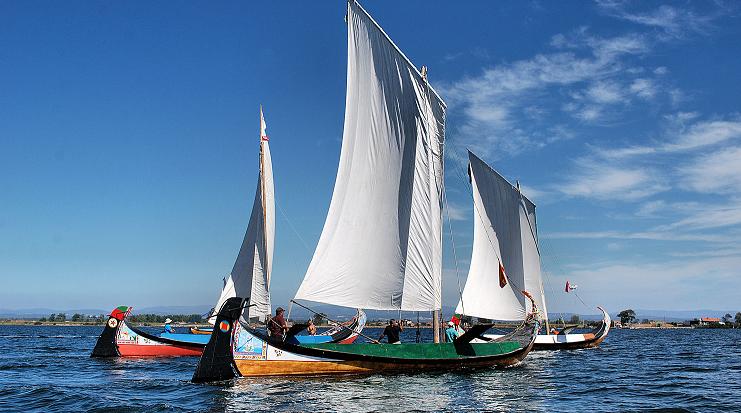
[
  {"x": 531, "y": 256},
  {"x": 483, "y": 296},
  {"x": 381, "y": 246},
  {"x": 250, "y": 276}
]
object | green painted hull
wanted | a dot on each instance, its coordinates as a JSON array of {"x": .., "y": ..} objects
[{"x": 422, "y": 351}]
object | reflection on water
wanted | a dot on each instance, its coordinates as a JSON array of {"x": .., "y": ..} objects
[{"x": 49, "y": 368}]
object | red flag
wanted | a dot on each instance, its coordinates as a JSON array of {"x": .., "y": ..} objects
[
  {"x": 502, "y": 276},
  {"x": 569, "y": 287}
]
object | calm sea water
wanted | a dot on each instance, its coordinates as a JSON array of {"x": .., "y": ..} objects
[{"x": 49, "y": 369}]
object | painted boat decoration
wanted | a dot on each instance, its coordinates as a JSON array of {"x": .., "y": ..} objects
[
  {"x": 381, "y": 245},
  {"x": 119, "y": 339},
  {"x": 235, "y": 350},
  {"x": 506, "y": 243}
]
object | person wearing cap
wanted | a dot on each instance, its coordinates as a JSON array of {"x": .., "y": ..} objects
[
  {"x": 451, "y": 333},
  {"x": 168, "y": 327},
  {"x": 277, "y": 325}
]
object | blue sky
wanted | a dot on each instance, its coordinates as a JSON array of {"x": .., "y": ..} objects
[{"x": 129, "y": 137}]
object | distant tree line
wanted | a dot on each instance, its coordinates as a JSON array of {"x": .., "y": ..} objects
[
  {"x": 76, "y": 318},
  {"x": 136, "y": 318},
  {"x": 154, "y": 318},
  {"x": 629, "y": 316}
]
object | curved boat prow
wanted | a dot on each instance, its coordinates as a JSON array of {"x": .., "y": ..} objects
[
  {"x": 601, "y": 332},
  {"x": 217, "y": 362},
  {"x": 106, "y": 345}
]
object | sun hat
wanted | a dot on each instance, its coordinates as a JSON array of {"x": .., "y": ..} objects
[{"x": 167, "y": 321}]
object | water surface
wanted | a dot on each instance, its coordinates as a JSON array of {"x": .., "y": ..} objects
[{"x": 48, "y": 368}]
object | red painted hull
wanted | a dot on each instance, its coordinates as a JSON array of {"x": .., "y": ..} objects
[{"x": 138, "y": 350}]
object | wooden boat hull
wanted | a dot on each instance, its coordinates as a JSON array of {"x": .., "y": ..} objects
[
  {"x": 204, "y": 331},
  {"x": 236, "y": 350},
  {"x": 571, "y": 341},
  {"x": 118, "y": 339}
]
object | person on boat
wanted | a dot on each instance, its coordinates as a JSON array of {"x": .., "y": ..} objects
[
  {"x": 277, "y": 325},
  {"x": 311, "y": 328},
  {"x": 392, "y": 332},
  {"x": 169, "y": 328},
  {"x": 451, "y": 333}
]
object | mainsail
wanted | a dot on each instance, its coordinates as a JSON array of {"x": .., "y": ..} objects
[
  {"x": 381, "y": 246},
  {"x": 250, "y": 276},
  {"x": 504, "y": 234}
]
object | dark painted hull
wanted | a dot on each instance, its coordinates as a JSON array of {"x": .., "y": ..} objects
[{"x": 224, "y": 360}]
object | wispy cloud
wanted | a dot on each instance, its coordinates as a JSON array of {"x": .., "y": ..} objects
[
  {"x": 681, "y": 283},
  {"x": 683, "y": 133},
  {"x": 497, "y": 105},
  {"x": 673, "y": 22},
  {"x": 457, "y": 213},
  {"x": 592, "y": 179},
  {"x": 665, "y": 235},
  {"x": 708, "y": 217}
]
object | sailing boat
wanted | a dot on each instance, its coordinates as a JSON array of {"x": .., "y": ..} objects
[
  {"x": 506, "y": 243},
  {"x": 381, "y": 246},
  {"x": 252, "y": 270},
  {"x": 250, "y": 275}
]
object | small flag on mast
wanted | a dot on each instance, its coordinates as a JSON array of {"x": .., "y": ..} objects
[
  {"x": 263, "y": 127},
  {"x": 570, "y": 287}
]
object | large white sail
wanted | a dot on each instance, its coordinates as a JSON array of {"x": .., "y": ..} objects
[
  {"x": 250, "y": 276},
  {"x": 508, "y": 219},
  {"x": 381, "y": 246},
  {"x": 484, "y": 295}
]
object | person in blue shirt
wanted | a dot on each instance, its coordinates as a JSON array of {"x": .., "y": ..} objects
[
  {"x": 168, "y": 327},
  {"x": 451, "y": 333}
]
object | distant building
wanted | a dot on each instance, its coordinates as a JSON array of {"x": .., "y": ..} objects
[{"x": 705, "y": 321}]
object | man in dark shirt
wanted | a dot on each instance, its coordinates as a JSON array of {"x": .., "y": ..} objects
[
  {"x": 392, "y": 332},
  {"x": 277, "y": 325}
]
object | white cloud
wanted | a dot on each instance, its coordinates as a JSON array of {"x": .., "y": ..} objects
[
  {"x": 706, "y": 133},
  {"x": 717, "y": 172},
  {"x": 674, "y": 22},
  {"x": 651, "y": 209},
  {"x": 495, "y": 102},
  {"x": 709, "y": 217},
  {"x": 605, "y": 92},
  {"x": 603, "y": 181},
  {"x": 683, "y": 283},
  {"x": 665, "y": 235},
  {"x": 681, "y": 137},
  {"x": 643, "y": 88}
]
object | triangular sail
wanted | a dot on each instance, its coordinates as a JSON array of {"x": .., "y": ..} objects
[
  {"x": 508, "y": 219},
  {"x": 381, "y": 246},
  {"x": 250, "y": 276},
  {"x": 483, "y": 296}
]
